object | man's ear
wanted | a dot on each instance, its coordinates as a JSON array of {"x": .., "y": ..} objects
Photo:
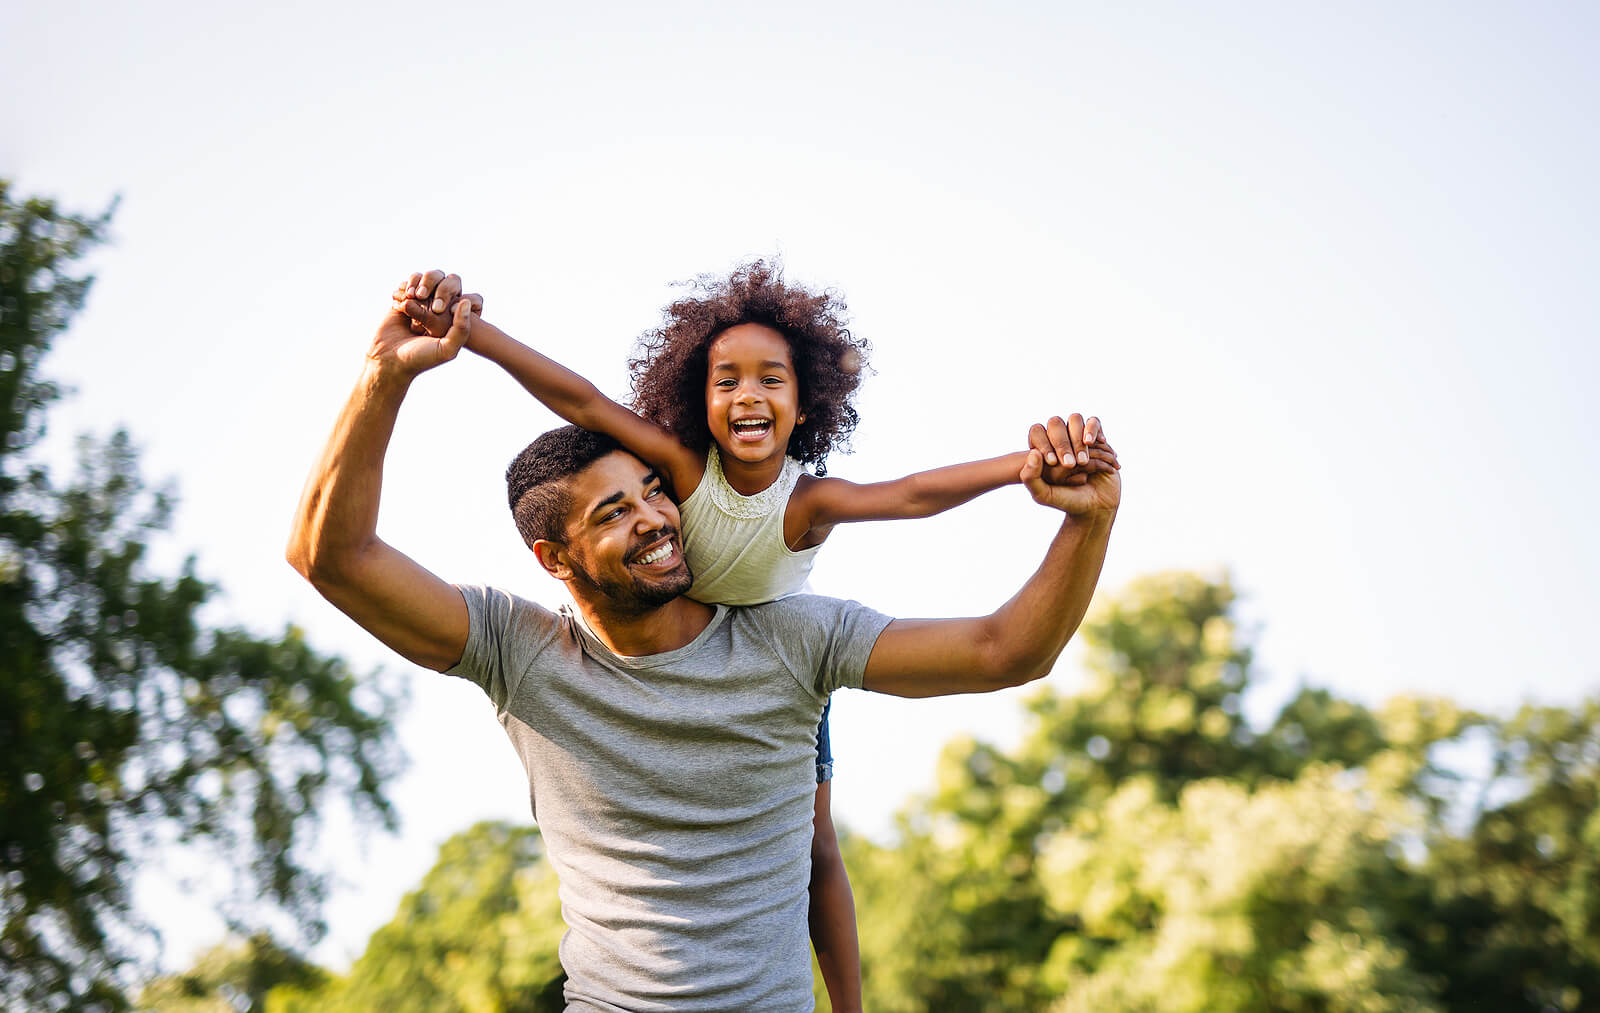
[{"x": 553, "y": 557}]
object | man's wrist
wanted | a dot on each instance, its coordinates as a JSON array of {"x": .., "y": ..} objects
[{"x": 385, "y": 378}]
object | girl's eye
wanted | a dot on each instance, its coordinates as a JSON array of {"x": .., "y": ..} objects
[
  {"x": 772, "y": 381},
  {"x": 725, "y": 383}
]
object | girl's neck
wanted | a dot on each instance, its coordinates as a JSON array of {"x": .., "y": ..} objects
[{"x": 750, "y": 477}]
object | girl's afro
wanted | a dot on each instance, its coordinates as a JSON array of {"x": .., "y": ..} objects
[{"x": 669, "y": 373}]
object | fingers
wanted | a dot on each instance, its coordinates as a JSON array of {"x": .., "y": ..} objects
[
  {"x": 1039, "y": 439},
  {"x": 1061, "y": 440},
  {"x": 1032, "y": 476},
  {"x": 446, "y": 292},
  {"x": 1075, "y": 432},
  {"x": 426, "y": 283},
  {"x": 1076, "y": 443},
  {"x": 476, "y": 301},
  {"x": 460, "y": 328},
  {"x": 424, "y": 318}
]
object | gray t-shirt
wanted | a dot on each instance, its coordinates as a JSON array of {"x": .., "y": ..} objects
[{"x": 674, "y": 791}]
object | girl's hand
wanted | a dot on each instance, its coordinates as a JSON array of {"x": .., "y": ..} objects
[{"x": 432, "y": 316}]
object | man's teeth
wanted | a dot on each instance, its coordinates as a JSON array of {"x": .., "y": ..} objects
[{"x": 656, "y": 555}]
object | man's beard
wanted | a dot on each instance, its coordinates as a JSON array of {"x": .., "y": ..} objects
[{"x": 634, "y": 595}]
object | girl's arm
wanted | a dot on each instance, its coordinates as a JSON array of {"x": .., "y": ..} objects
[
  {"x": 833, "y": 501},
  {"x": 581, "y": 403},
  {"x": 823, "y": 502},
  {"x": 832, "y": 914},
  {"x": 562, "y": 391}
]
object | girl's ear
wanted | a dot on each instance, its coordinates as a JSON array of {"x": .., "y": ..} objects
[{"x": 800, "y": 420}]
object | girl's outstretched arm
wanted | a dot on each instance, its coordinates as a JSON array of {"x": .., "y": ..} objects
[
  {"x": 562, "y": 391},
  {"x": 823, "y": 502}
]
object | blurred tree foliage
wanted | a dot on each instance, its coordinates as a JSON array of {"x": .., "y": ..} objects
[
  {"x": 130, "y": 727},
  {"x": 232, "y": 977},
  {"x": 1144, "y": 849},
  {"x": 479, "y": 936}
]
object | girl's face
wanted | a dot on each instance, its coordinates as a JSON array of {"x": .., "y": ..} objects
[{"x": 752, "y": 393}]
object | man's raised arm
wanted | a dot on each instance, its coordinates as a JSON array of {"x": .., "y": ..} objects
[
  {"x": 1019, "y": 642},
  {"x": 335, "y": 544}
]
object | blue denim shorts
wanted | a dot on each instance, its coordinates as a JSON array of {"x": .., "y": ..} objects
[{"x": 824, "y": 748}]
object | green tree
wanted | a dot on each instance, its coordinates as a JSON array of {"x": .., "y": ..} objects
[
  {"x": 232, "y": 977},
  {"x": 130, "y": 725},
  {"x": 1144, "y": 848},
  {"x": 480, "y": 935}
]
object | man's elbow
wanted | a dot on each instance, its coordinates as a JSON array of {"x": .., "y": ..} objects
[
  {"x": 1008, "y": 663},
  {"x": 322, "y": 569}
]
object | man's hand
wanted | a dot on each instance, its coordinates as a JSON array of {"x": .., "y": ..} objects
[
  {"x": 1092, "y": 481},
  {"x": 429, "y": 299},
  {"x": 396, "y": 347}
]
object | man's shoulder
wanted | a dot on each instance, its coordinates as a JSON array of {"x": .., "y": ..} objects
[
  {"x": 502, "y": 616},
  {"x": 806, "y": 613}
]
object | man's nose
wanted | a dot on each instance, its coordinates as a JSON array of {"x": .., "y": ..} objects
[{"x": 652, "y": 517}]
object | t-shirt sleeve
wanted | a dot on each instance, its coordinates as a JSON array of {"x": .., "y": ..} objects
[
  {"x": 505, "y": 634},
  {"x": 825, "y": 642}
]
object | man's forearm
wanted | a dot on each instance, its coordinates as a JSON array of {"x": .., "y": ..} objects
[
  {"x": 1030, "y": 630},
  {"x": 338, "y": 512}
]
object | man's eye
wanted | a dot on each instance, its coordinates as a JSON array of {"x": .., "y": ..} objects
[
  {"x": 612, "y": 515},
  {"x": 653, "y": 492}
]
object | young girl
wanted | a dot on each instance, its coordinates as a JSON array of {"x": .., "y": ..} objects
[{"x": 748, "y": 380}]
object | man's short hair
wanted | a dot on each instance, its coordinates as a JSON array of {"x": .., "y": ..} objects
[{"x": 537, "y": 479}]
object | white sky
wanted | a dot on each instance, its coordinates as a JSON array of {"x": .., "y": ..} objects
[{"x": 1328, "y": 275}]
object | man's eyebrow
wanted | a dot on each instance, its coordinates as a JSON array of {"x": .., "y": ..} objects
[
  {"x": 650, "y": 478},
  {"x": 615, "y": 497}
]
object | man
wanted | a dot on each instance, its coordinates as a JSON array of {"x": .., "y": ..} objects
[{"x": 668, "y": 744}]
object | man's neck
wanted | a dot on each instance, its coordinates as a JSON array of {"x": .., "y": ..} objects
[{"x": 658, "y": 631}]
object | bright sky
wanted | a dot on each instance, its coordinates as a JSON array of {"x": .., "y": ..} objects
[{"x": 1327, "y": 274}]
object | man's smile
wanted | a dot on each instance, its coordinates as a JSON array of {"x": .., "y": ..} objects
[{"x": 662, "y": 555}]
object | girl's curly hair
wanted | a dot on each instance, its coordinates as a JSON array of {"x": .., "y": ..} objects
[{"x": 669, "y": 372}]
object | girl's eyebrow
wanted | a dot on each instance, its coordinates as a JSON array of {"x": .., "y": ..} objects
[{"x": 765, "y": 364}]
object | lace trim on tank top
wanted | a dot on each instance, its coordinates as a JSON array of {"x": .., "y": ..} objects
[{"x": 730, "y": 501}]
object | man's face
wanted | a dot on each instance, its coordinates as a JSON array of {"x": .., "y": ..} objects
[{"x": 622, "y": 535}]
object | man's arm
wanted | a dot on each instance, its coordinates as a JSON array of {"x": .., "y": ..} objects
[
  {"x": 334, "y": 543},
  {"x": 559, "y": 388},
  {"x": 1021, "y": 641}
]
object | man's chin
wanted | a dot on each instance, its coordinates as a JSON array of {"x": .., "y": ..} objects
[{"x": 659, "y": 591}]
